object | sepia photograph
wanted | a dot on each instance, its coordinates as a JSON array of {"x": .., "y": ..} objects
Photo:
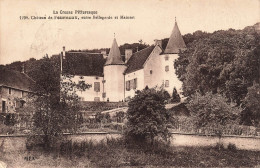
[{"x": 129, "y": 83}]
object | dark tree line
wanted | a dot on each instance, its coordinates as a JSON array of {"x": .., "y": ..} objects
[{"x": 223, "y": 62}]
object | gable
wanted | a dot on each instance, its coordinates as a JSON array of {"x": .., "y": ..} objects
[{"x": 138, "y": 59}]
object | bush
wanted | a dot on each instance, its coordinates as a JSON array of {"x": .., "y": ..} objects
[
  {"x": 219, "y": 146},
  {"x": 147, "y": 116},
  {"x": 212, "y": 110},
  {"x": 232, "y": 147}
]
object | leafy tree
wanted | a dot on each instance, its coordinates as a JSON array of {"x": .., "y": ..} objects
[
  {"x": 147, "y": 116},
  {"x": 175, "y": 96},
  {"x": 212, "y": 110},
  {"x": 225, "y": 62},
  {"x": 10, "y": 120},
  {"x": 251, "y": 112},
  {"x": 120, "y": 116},
  {"x": 56, "y": 103}
]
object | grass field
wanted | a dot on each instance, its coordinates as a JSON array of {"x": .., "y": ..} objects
[{"x": 116, "y": 153}]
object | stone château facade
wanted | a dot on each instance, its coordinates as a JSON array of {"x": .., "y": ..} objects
[{"x": 113, "y": 79}]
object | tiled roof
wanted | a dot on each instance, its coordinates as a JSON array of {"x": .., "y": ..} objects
[
  {"x": 114, "y": 56},
  {"x": 15, "y": 79},
  {"x": 176, "y": 42},
  {"x": 83, "y": 63},
  {"x": 138, "y": 59}
]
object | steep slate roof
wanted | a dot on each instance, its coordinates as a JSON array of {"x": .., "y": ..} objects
[
  {"x": 175, "y": 42},
  {"x": 83, "y": 63},
  {"x": 138, "y": 59},
  {"x": 15, "y": 79},
  {"x": 114, "y": 56}
]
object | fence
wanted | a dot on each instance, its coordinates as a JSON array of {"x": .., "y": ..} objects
[{"x": 186, "y": 125}]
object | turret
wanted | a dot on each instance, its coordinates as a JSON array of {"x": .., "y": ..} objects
[
  {"x": 113, "y": 74},
  {"x": 176, "y": 42}
]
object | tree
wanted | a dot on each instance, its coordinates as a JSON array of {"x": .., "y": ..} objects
[
  {"x": 212, "y": 110},
  {"x": 56, "y": 103},
  {"x": 175, "y": 96},
  {"x": 147, "y": 116},
  {"x": 251, "y": 112},
  {"x": 224, "y": 62}
]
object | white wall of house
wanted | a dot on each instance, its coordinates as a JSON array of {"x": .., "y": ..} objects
[
  {"x": 169, "y": 74},
  {"x": 153, "y": 69},
  {"x": 130, "y": 77},
  {"x": 114, "y": 82},
  {"x": 94, "y": 93}
]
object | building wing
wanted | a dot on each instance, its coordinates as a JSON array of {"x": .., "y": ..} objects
[
  {"x": 83, "y": 64},
  {"x": 138, "y": 59}
]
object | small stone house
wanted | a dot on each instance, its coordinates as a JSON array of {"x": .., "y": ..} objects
[{"x": 14, "y": 88}]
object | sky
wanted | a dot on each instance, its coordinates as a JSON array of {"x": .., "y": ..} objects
[{"x": 21, "y": 39}]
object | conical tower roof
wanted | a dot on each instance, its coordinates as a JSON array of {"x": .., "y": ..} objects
[
  {"x": 114, "y": 56},
  {"x": 176, "y": 42}
]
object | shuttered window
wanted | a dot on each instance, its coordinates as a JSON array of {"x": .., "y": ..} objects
[
  {"x": 135, "y": 83},
  {"x": 97, "y": 86},
  {"x": 127, "y": 85},
  {"x": 131, "y": 84}
]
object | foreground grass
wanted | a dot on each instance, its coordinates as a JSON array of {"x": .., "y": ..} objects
[{"x": 116, "y": 153}]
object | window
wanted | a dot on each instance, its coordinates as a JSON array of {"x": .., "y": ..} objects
[
  {"x": 97, "y": 86},
  {"x": 3, "y": 106},
  {"x": 166, "y": 57},
  {"x": 135, "y": 83},
  {"x": 127, "y": 85},
  {"x": 10, "y": 90},
  {"x": 151, "y": 71},
  {"x": 103, "y": 95},
  {"x": 167, "y": 68},
  {"x": 96, "y": 99},
  {"x": 167, "y": 83},
  {"x": 131, "y": 84}
]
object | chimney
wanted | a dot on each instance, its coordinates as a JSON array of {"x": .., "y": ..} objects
[
  {"x": 158, "y": 42},
  {"x": 128, "y": 54},
  {"x": 63, "y": 52},
  {"x": 104, "y": 53}
]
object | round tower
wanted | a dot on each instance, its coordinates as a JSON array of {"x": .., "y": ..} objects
[{"x": 113, "y": 75}]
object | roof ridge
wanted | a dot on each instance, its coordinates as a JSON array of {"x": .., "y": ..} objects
[
  {"x": 144, "y": 48},
  {"x": 82, "y": 52}
]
